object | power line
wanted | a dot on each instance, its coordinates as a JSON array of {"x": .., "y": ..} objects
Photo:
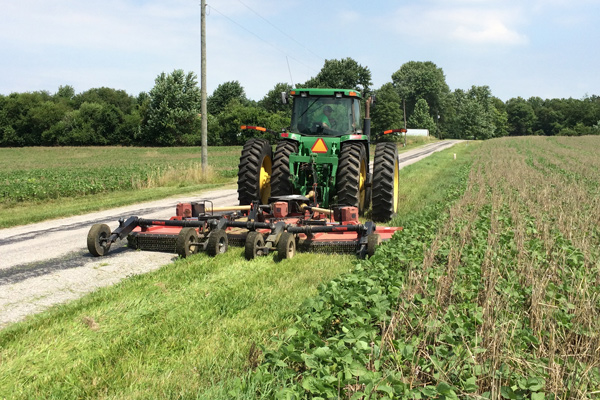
[
  {"x": 282, "y": 31},
  {"x": 261, "y": 39}
]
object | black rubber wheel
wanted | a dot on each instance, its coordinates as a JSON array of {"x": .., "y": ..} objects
[
  {"x": 385, "y": 182},
  {"x": 97, "y": 240},
  {"x": 280, "y": 180},
  {"x": 254, "y": 240},
  {"x": 186, "y": 243},
  {"x": 352, "y": 176},
  {"x": 373, "y": 240},
  {"x": 217, "y": 242},
  {"x": 286, "y": 246},
  {"x": 254, "y": 174}
]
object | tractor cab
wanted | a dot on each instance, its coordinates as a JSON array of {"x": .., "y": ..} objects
[{"x": 330, "y": 112}]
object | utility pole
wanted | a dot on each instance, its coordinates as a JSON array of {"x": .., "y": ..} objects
[{"x": 203, "y": 112}]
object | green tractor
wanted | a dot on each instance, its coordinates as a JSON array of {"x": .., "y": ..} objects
[{"x": 324, "y": 156}]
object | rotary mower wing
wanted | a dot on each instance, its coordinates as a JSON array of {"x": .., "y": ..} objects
[{"x": 286, "y": 226}]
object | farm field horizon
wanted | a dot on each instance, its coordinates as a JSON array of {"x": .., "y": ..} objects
[{"x": 492, "y": 290}]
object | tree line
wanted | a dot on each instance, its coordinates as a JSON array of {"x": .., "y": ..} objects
[{"x": 168, "y": 115}]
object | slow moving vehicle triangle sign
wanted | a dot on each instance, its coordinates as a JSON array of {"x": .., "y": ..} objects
[{"x": 319, "y": 146}]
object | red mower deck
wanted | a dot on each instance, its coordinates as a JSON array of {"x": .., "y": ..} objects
[{"x": 285, "y": 226}]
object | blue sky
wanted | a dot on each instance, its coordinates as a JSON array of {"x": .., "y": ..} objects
[{"x": 546, "y": 48}]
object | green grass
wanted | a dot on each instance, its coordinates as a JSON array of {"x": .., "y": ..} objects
[
  {"x": 426, "y": 182},
  {"x": 187, "y": 330},
  {"x": 174, "y": 332}
]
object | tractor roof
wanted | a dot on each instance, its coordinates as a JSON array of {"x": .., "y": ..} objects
[{"x": 327, "y": 92}]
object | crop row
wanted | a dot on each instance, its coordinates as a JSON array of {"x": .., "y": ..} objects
[{"x": 53, "y": 183}]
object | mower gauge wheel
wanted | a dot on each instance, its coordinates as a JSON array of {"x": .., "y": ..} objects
[
  {"x": 373, "y": 240},
  {"x": 217, "y": 242},
  {"x": 286, "y": 246},
  {"x": 254, "y": 242},
  {"x": 187, "y": 242},
  {"x": 97, "y": 239}
]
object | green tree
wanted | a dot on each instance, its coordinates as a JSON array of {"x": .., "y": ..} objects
[
  {"x": 476, "y": 114},
  {"x": 272, "y": 100},
  {"x": 342, "y": 74},
  {"x": 521, "y": 117},
  {"x": 422, "y": 80},
  {"x": 500, "y": 118},
  {"x": 386, "y": 113},
  {"x": 20, "y": 126},
  {"x": 420, "y": 118},
  {"x": 118, "y": 98},
  {"x": 225, "y": 127},
  {"x": 171, "y": 118},
  {"x": 66, "y": 92},
  {"x": 224, "y": 94}
]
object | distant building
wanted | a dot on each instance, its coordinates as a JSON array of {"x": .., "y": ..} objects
[{"x": 417, "y": 132}]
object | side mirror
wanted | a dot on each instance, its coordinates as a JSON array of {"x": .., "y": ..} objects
[{"x": 284, "y": 97}]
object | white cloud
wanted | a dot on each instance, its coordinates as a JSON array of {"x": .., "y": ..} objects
[
  {"x": 478, "y": 22},
  {"x": 483, "y": 26}
]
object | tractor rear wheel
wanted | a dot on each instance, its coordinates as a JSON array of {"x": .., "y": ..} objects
[
  {"x": 280, "y": 181},
  {"x": 97, "y": 240},
  {"x": 352, "y": 176},
  {"x": 187, "y": 242},
  {"x": 385, "y": 182},
  {"x": 254, "y": 174}
]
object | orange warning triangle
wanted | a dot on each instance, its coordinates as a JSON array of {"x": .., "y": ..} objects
[{"x": 319, "y": 146}]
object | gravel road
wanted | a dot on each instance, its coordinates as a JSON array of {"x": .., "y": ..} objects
[{"x": 48, "y": 263}]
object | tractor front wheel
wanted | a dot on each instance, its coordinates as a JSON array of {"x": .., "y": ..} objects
[
  {"x": 352, "y": 176},
  {"x": 280, "y": 182},
  {"x": 254, "y": 174},
  {"x": 385, "y": 182}
]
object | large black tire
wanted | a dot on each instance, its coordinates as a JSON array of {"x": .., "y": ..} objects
[
  {"x": 254, "y": 172},
  {"x": 352, "y": 176},
  {"x": 187, "y": 242},
  {"x": 280, "y": 180},
  {"x": 385, "y": 182},
  {"x": 97, "y": 240},
  {"x": 217, "y": 242}
]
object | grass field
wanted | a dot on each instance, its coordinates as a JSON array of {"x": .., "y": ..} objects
[
  {"x": 40, "y": 183},
  {"x": 193, "y": 329}
]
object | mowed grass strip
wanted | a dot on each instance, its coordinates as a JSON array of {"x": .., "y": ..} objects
[{"x": 167, "y": 334}]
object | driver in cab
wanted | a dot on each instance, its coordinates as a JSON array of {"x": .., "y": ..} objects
[{"x": 326, "y": 119}]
